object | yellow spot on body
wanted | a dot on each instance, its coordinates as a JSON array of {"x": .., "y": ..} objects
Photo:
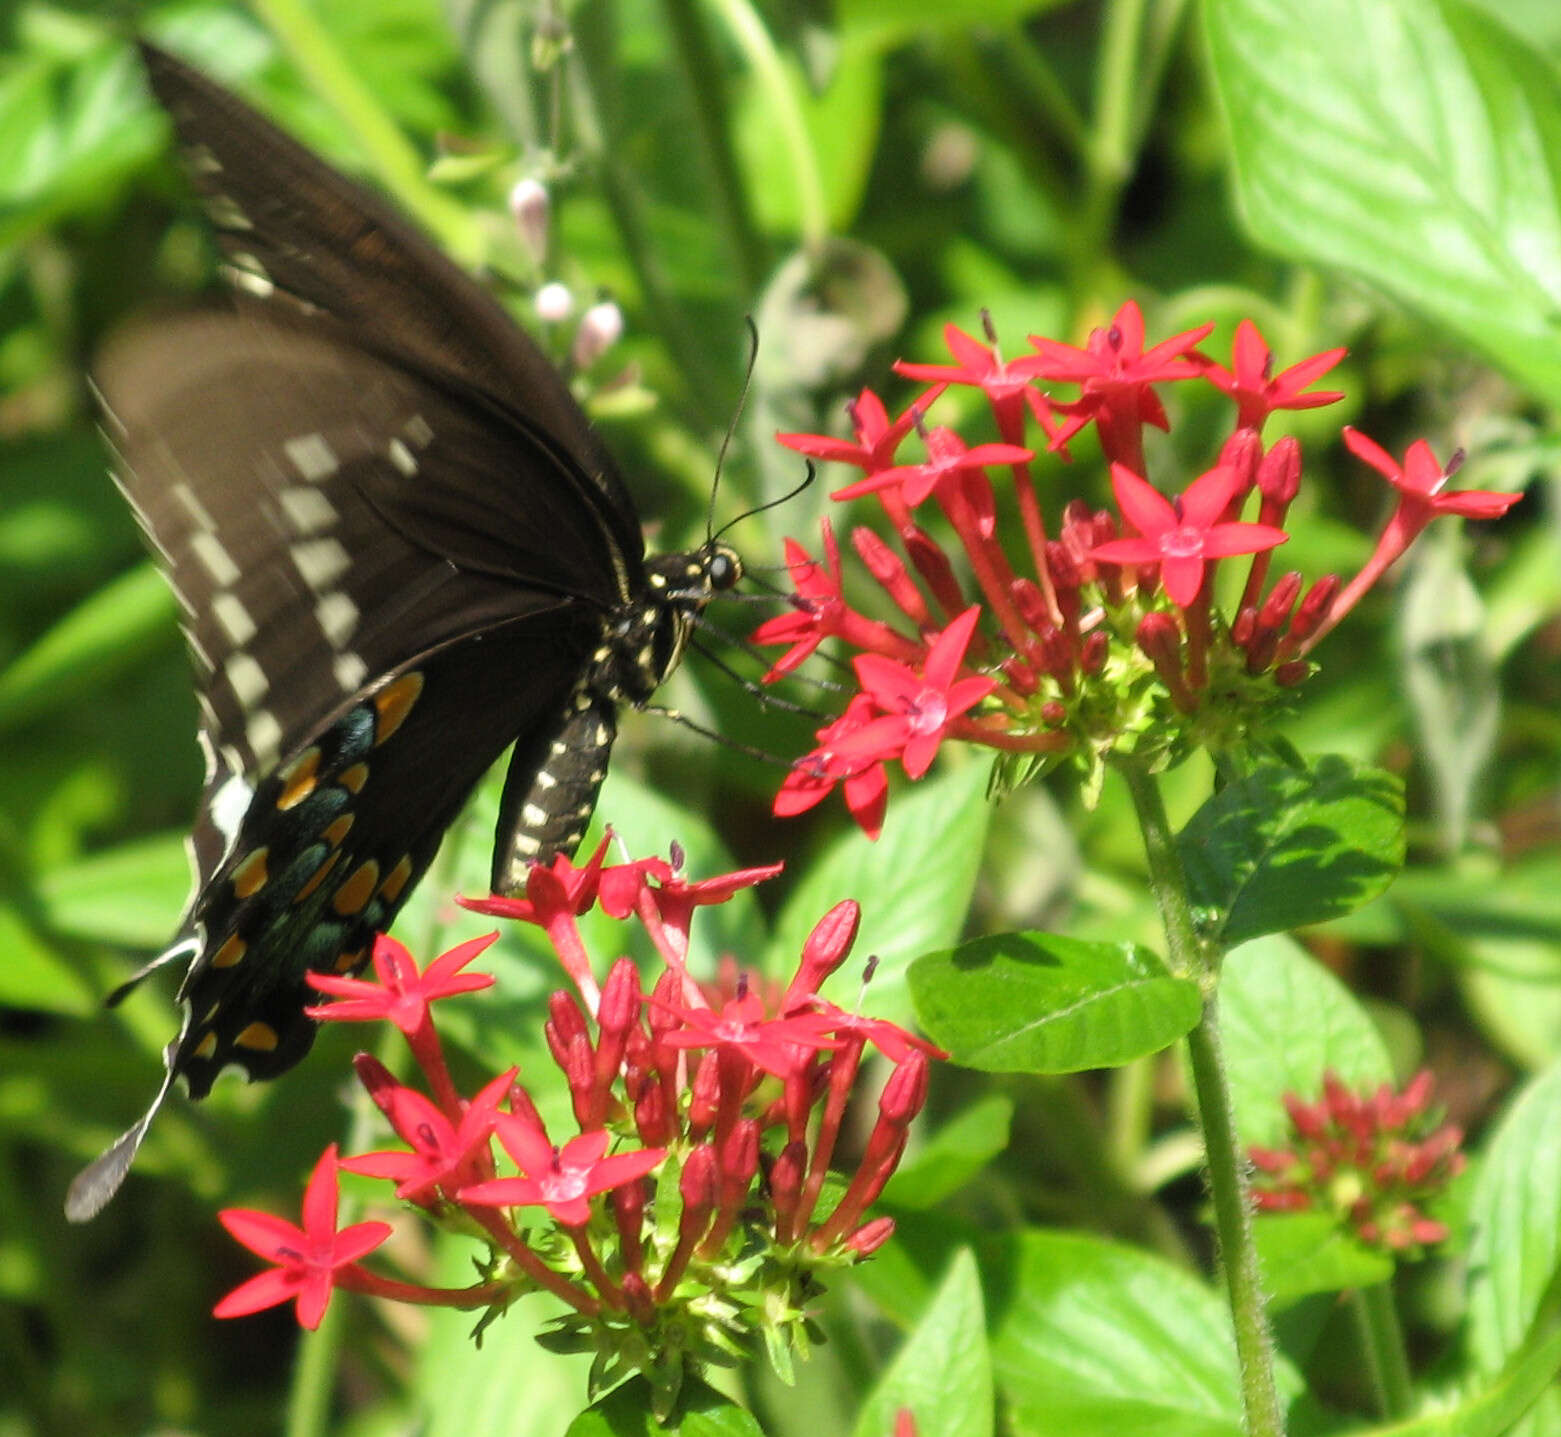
[
  {"x": 298, "y": 779},
  {"x": 357, "y": 890},
  {"x": 350, "y": 958},
  {"x": 337, "y": 830},
  {"x": 250, "y": 876},
  {"x": 206, "y": 1047},
  {"x": 230, "y": 953},
  {"x": 317, "y": 877},
  {"x": 352, "y": 779},
  {"x": 396, "y": 880},
  {"x": 261, "y": 1037},
  {"x": 394, "y": 702}
]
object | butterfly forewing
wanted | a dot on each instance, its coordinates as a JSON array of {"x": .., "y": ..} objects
[{"x": 397, "y": 546}]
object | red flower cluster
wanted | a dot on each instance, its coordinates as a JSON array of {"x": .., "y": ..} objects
[
  {"x": 1370, "y": 1158},
  {"x": 1106, "y": 638},
  {"x": 734, "y": 1104}
]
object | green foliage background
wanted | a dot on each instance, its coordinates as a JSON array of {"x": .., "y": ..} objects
[{"x": 1381, "y": 173}]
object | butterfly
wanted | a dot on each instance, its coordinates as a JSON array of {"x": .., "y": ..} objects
[{"x": 397, "y": 546}]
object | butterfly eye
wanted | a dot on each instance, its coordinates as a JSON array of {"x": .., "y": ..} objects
[{"x": 723, "y": 570}]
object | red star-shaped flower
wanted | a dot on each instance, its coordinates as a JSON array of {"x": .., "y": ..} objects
[
  {"x": 1182, "y": 537},
  {"x": 1420, "y": 482},
  {"x": 876, "y": 437},
  {"x": 309, "y": 1259},
  {"x": 444, "y": 1155},
  {"x": 1258, "y": 392},
  {"x": 918, "y": 709},
  {"x": 1006, "y": 383},
  {"x": 778, "y": 1045},
  {"x": 813, "y": 777},
  {"x": 947, "y": 460},
  {"x": 563, "y": 1180},
  {"x": 552, "y": 889},
  {"x": 402, "y": 994},
  {"x": 1115, "y": 375}
]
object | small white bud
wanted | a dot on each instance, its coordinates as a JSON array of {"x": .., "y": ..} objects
[
  {"x": 531, "y": 207},
  {"x": 554, "y": 302},
  {"x": 601, "y": 327}
]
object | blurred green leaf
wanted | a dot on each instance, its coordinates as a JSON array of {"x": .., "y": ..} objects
[
  {"x": 701, "y": 1412},
  {"x": 1041, "y": 1003},
  {"x": 914, "y": 885},
  {"x": 1285, "y": 1020},
  {"x": 33, "y": 975},
  {"x": 131, "y": 895},
  {"x": 952, "y": 1154},
  {"x": 1515, "y": 1213},
  {"x": 1099, "y": 1340},
  {"x": 1421, "y": 156},
  {"x": 108, "y": 633},
  {"x": 943, "y": 1372},
  {"x": 1306, "y": 1252},
  {"x": 1285, "y": 847}
]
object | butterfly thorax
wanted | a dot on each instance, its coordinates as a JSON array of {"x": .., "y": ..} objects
[{"x": 643, "y": 641}]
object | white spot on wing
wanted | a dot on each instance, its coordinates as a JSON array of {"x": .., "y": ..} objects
[
  {"x": 322, "y": 562},
  {"x": 264, "y": 736},
  {"x": 248, "y": 679},
  {"x": 533, "y": 815},
  {"x": 338, "y": 617},
  {"x": 350, "y": 672},
  {"x": 311, "y": 456},
  {"x": 214, "y": 559},
  {"x": 525, "y": 843},
  {"x": 229, "y": 804},
  {"x": 193, "y": 506},
  {"x": 308, "y": 510},
  {"x": 418, "y": 430},
  {"x": 251, "y": 281},
  {"x": 229, "y": 611},
  {"x": 226, "y": 214},
  {"x": 544, "y": 780},
  {"x": 402, "y": 458}
]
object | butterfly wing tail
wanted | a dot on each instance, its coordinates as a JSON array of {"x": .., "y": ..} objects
[{"x": 96, "y": 1183}]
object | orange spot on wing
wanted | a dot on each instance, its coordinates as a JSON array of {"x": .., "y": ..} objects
[
  {"x": 396, "y": 880},
  {"x": 338, "y": 830},
  {"x": 250, "y": 875},
  {"x": 230, "y": 953},
  {"x": 261, "y": 1037},
  {"x": 357, "y": 890},
  {"x": 205, "y": 1048},
  {"x": 298, "y": 779},
  {"x": 352, "y": 779},
  {"x": 394, "y": 702}
]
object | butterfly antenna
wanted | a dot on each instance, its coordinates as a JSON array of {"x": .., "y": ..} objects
[
  {"x": 731, "y": 428},
  {"x": 786, "y": 498}
]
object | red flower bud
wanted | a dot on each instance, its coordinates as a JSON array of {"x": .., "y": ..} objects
[
  {"x": 906, "y": 1089},
  {"x": 871, "y": 1236},
  {"x": 1240, "y": 453}
]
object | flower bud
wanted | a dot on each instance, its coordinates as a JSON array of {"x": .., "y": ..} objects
[
  {"x": 553, "y": 303},
  {"x": 601, "y": 327},
  {"x": 906, "y": 1089},
  {"x": 1092, "y": 657},
  {"x": 531, "y": 207},
  {"x": 1314, "y": 608},
  {"x": 871, "y": 1236},
  {"x": 826, "y": 948},
  {"x": 1241, "y": 453},
  {"x": 1279, "y": 475},
  {"x": 620, "y": 1001},
  {"x": 704, "y": 1094}
]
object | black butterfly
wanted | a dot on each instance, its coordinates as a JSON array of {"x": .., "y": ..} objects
[{"x": 398, "y": 546}]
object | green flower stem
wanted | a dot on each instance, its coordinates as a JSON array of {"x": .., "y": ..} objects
[
  {"x": 1383, "y": 1339},
  {"x": 1226, "y": 1162},
  {"x": 396, "y": 162},
  {"x": 706, "y": 81},
  {"x": 314, "y": 1376}
]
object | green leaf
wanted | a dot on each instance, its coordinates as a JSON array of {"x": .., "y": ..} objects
[
  {"x": 1041, "y": 1003},
  {"x": 1515, "y": 1214},
  {"x": 1100, "y": 1340},
  {"x": 33, "y": 975},
  {"x": 943, "y": 1373},
  {"x": 886, "y": 23},
  {"x": 953, "y": 1154},
  {"x": 130, "y": 896},
  {"x": 104, "y": 636},
  {"x": 1306, "y": 1252},
  {"x": 914, "y": 885},
  {"x": 701, "y": 1412},
  {"x": 1285, "y": 847},
  {"x": 1528, "y": 1378},
  {"x": 1285, "y": 1020},
  {"x": 1422, "y": 156}
]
